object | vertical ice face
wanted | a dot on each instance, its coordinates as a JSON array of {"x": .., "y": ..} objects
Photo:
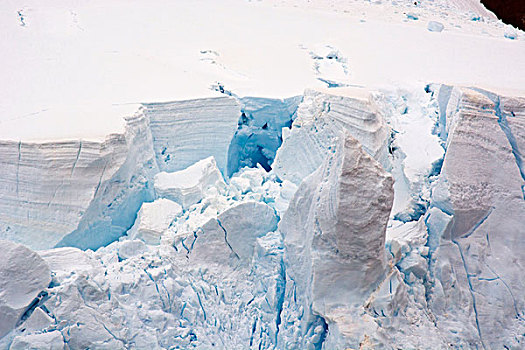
[
  {"x": 334, "y": 235},
  {"x": 47, "y": 188},
  {"x": 320, "y": 117},
  {"x": 23, "y": 275},
  {"x": 478, "y": 264},
  {"x": 81, "y": 193},
  {"x": 118, "y": 195},
  {"x": 187, "y": 131}
]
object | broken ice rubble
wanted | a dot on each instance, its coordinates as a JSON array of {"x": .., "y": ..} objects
[
  {"x": 342, "y": 218},
  {"x": 188, "y": 186},
  {"x": 153, "y": 219}
]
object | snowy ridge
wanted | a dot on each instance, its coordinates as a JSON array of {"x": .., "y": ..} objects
[{"x": 377, "y": 242}]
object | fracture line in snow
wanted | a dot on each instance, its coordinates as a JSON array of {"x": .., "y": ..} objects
[
  {"x": 76, "y": 159},
  {"x": 157, "y": 288},
  {"x": 100, "y": 179},
  {"x": 226, "y": 239},
  {"x": 281, "y": 290},
  {"x": 55, "y": 193},
  {"x": 471, "y": 289},
  {"x": 508, "y": 288},
  {"x": 505, "y": 127}
]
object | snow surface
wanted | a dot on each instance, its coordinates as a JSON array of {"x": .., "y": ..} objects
[{"x": 86, "y": 65}]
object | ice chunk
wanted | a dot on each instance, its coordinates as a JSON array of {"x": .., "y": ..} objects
[
  {"x": 510, "y": 33},
  {"x": 23, "y": 275},
  {"x": 246, "y": 222},
  {"x": 234, "y": 233},
  {"x": 63, "y": 261},
  {"x": 153, "y": 219},
  {"x": 434, "y": 26},
  {"x": 400, "y": 237},
  {"x": 44, "y": 341},
  {"x": 189, "y": 186},
  {"x": 38, "y": 321},
  {"x": 131, "y": 248}
]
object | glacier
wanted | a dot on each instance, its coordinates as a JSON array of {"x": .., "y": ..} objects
[
  {"x": 273, "y": 174},
  {"x": 377, "y": 218}
]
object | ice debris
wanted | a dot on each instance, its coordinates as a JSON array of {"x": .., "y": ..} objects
[
  {"x": 434, "y": 26},
  {"x": 153, "y": 219},
  {"x": 188, "y": 186},
  {"x": 23, "y": 276}
]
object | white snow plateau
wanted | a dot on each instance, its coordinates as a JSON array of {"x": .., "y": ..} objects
[{"x": 272, "y": 174}]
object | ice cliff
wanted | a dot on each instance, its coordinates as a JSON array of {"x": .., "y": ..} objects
[{"x": 341, "y": 218}]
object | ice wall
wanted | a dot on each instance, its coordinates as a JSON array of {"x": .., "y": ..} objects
[
  {"x": 87, "y": 194},
  {"x": 47, "y": 188},
  {"x": 184, "y": 132},
  {"x": 478, "y": 263}
]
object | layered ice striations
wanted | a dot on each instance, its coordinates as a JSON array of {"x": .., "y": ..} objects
[
  {"x": 48, "y": 188},
  {"x": 184, "y": 132},
  {"x": 320, "y": 118},
  {"x": 87, "y": 194},
  {"x": 343, "y": 218}
]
